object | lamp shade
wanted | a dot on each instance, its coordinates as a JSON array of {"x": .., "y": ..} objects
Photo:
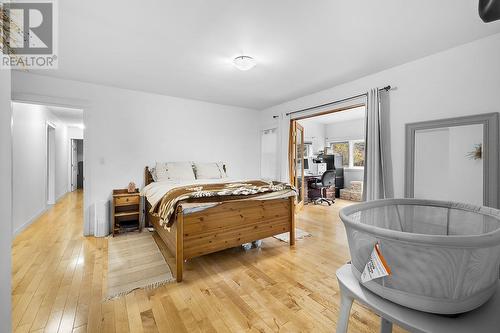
[{"x": 244, "y": 63}]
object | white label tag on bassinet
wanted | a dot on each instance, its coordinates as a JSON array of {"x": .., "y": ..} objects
[{"x": 376, "y": 266}]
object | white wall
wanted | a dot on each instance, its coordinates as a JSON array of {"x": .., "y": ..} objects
[
  {"x": 320, "y": 134},
  {"x": 432, "y": 164},
  {"x": 62, "y": 159},
  {"x": 466, "y": 174},
  {"x": 345, "y": 130},
  {"x": 443, "y": 171},
  {"x": 314, "y": 132},
  {"x": 268, "y": 159},
  {"x": 29, "y": 133},
  {"x": 5, "y": 202},
  {"x": 126, "y": 130},
  {"x": 75, "y": 132},
  {"x": 461, "y": 81}
]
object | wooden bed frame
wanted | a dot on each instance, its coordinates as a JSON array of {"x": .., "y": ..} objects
[{"x": 223, "y": 226}]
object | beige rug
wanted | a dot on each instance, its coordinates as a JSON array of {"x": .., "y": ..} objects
[
  {"x": 134, "y": 261},
  {"x": 299, "y": 234}
]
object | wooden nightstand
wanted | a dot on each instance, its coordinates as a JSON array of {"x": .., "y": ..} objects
[{"x": 126, "y": 211}]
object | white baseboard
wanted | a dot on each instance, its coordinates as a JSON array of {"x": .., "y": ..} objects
[
  {"x": 35, "y": 217},
  {"x": 61, "y": 196},
  {"x": 30, "y": 221}
]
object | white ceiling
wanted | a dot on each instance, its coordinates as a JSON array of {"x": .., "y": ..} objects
[
  {"x": 336, "y": 117},
  {"x": 71, "y": 117},
  {"x": 185, "y": 48}
]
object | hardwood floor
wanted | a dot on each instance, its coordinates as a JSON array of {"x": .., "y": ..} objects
[{"x": 59, "y": 279}]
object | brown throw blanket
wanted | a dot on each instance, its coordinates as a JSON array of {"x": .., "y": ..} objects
[{"x": 212, "y": 193}]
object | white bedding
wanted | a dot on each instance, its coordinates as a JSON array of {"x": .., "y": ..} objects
[{"x": 155, "y": 191}]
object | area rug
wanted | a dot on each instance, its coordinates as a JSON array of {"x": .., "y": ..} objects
[
  {"x": 134, "y": 261},
  {"x": 299, "y": 234}
]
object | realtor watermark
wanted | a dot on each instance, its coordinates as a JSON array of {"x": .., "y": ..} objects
[{"x": 29, "y": 34}]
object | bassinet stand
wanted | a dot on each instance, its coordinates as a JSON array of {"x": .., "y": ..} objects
[{"x": 484, "y": 319}]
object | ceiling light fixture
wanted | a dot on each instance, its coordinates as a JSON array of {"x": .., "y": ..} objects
[{"x": 244, "y": 63}]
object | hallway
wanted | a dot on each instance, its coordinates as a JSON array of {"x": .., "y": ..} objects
[{"x": 57, "y": 273}]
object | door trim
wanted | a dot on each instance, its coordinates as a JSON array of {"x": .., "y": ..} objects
[
  {"x": 50, "y": 164},
  {"x": 291, "y": 158}
]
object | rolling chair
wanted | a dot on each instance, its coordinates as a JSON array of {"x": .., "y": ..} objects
[{"x": 327, "y": 180}]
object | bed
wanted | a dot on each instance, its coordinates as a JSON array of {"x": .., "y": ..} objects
[{"x": 205, "y": 225}]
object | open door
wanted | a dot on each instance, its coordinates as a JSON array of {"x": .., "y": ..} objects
[
  {"x": 74, "y": 165},
  {"x": 296, "y": 161}
]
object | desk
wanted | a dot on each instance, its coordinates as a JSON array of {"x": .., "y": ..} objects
[{"x": 484, "y": 319}]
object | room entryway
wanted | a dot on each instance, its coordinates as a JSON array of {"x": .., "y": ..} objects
[
  {"x": 47, "y": 153},
  {"x": 76, "y": 164},
  {"x": 326, "y": 156}
]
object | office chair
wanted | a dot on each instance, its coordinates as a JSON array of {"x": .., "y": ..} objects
[{"x": 327, "y": 180}]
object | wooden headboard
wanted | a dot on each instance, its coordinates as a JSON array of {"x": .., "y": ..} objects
[{"x": 148, "y": 178}]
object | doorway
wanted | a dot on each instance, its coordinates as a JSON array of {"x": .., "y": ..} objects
[
  {"x": 76, "y": 164},
  {"x": 329, "y": 144},
  {"x": 41, "y": 152}
]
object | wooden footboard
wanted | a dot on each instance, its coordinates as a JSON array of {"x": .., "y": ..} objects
[{"x": 226, "y": 225}]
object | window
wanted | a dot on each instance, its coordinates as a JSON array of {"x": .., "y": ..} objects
[
  {"x": 352, "y": 151},
  {"x": 358, "y": 154},
  {"x": 308, "y": 149},
  {"x": 342, "y": 148}
]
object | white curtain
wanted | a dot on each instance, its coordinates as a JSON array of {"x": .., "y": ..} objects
[{"x": 376, "y": 178}]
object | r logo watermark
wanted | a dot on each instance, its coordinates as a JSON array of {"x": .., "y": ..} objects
[{"x": 28, "y": 31}]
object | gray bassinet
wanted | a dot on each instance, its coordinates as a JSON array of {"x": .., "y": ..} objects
[{"x": 444, "y": 256}]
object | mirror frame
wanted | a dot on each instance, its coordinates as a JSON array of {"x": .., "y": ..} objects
[{"x": 490, "y": 152}]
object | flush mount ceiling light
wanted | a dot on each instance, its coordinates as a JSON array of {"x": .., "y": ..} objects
[{"x": 244, "y": 63}]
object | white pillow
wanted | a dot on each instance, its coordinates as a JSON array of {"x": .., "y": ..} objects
[
  {"x": 180, "y": 171},
  {"x": 207, "y": 171},
  {"x": 161, "y": 172}
]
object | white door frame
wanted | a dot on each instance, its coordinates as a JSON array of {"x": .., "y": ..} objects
[
  {"x": 73, "y": 162},
  {"x": 50, "y": 160}
]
